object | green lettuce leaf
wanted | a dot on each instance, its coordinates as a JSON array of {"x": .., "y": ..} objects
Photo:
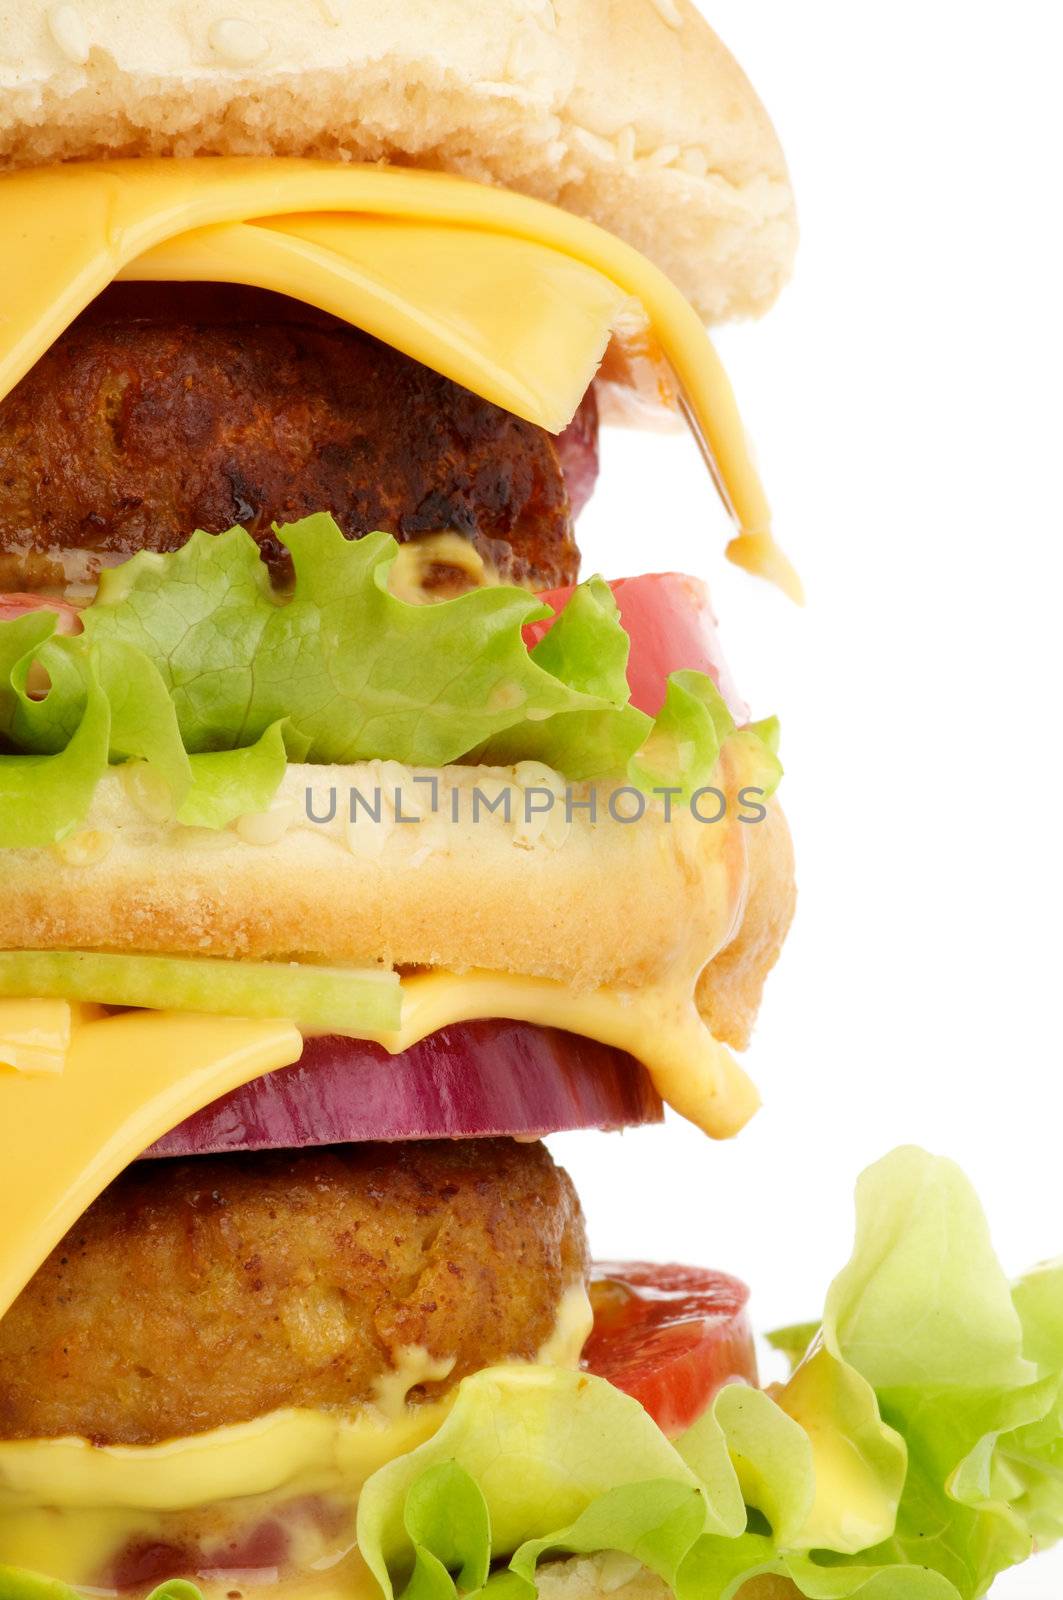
[
  {"x": 915, "y": 1452},
  {"x": 676, "y": 751},
  {"x": 965, "y": 1372},
  {"x": 199, "y": 660},
  {"x": 1026, "y": 1462},
  {"x": 21, "y": 640},
  {"x": 44, "y": 797},
  {"x": 793, "y": 1341},
  {"x": 542, "y": 1445},
  {"x": 359, "y": 672},
  {"x": 685, "y": 741},
  {"x": 586, "y": 647},
  {"x": 105, "y": 704},
  {"x": 950, "y": 1373},
  {"x": 226, "y": 784}
]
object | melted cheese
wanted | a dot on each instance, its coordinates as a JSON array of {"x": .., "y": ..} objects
[
  {"x": 511, "y": 297},
  {"x": 128, "y": 1079},
  {"x": 67, "y": 1506},
  {"x": 695, "y": 1074}
]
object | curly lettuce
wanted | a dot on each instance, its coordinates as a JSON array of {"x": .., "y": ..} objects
[
  {"x": 192, "y": 663},
  {"x": 914, "y": 1453}
]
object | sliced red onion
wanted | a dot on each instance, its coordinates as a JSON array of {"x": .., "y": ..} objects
[{"x": 472, "y": 1080}]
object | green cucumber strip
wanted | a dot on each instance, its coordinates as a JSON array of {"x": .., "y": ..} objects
[{"x": 353, "y": 1001}]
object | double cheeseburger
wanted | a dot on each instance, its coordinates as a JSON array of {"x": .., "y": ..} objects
[{"x": 350, "y": 844}]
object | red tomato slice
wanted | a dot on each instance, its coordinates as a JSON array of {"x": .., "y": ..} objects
[
  {"x": 669, "y": 1336},
  {"x": 13, "y": 606},
  {"x": 669, "y": 619}
]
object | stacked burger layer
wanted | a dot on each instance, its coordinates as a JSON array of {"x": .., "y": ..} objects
[{"x": 327, "y": 789}]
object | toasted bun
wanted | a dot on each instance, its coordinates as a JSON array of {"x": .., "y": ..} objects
[
  {"x": 630, "y": 112},
  {"x": 729, "y": 990},
  {"x": 627, "y": 904}
]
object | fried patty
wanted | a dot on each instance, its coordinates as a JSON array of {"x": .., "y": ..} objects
[
  {"x": 203, "y": 1292},
  {"x": 170, "y": 407}
]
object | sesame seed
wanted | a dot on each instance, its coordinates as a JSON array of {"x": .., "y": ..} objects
[
  {"x": 84, "y": 849},
  {"x": 67, "y": 27},
  {"x": 546, "y": 11},
  {"x": 625, "y": 144},
  {"x": 595, "y": 144},
  {"x": 237, "y": 41},
  {"x": 668, "y": 12}
]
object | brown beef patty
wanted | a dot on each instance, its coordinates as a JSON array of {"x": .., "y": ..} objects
[
  {"x": 198, "y": 1293},
  {"x": 170, "y": 407}
]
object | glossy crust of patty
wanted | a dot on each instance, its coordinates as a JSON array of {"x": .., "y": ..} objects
[
  {"x": 199, "y": 1293},
  {"x": 169, "y": 407}
]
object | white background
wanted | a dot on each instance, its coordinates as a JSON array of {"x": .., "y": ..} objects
[{"x": 905, "y": 399}]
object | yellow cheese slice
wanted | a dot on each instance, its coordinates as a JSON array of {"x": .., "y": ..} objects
[
  {"x": 70, "y": 230},
  {"x": 459, "y": 321},
  {"x": 127, "y": 1080}
]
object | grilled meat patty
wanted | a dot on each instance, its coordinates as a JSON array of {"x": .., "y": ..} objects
[
  {"x": 170, "y": 407},
  {"x": 198, "y": 1293}
]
